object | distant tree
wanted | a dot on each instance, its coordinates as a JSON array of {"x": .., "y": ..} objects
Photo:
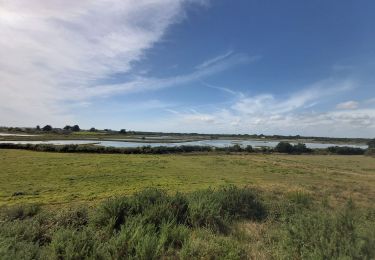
[
  {"x": 345, "y": 150},
  {"x": 123, "y": 131},
  {"x": 67, "y": 127},
  {"x": 300, "y": 148},
  {"x": 249, "y": 148},
  {"x": 92, "y": 129},
  {"x": 37, "y": 127},
  {"x": 47, "y": 128},
  {"x": 284, "y": 147},
  {"x": 76, "y": 128},
  {"x": 371, "y": 144}
]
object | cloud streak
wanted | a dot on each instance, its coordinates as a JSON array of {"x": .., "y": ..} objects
[
  {"x": 54, "y": 51},
  {"x": 291, "y": 114}
]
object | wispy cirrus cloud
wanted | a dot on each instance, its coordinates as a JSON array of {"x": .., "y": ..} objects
[
  {"x": 54, "y": 51},
  {"x": 287, "y": 114},
  {"x": 214, "y": 60},
  {"x": 147, "y": 83}
]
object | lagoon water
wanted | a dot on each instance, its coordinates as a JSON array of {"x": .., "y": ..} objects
[{"x": 213, "y": 143}]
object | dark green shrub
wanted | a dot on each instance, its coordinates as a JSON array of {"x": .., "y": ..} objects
[
  {"x": 301, "y": 148},
  {"x": 345, "y": 150},
  {"x": 205, "y": 211},
  {"x": 140, "y": 240},
  {"x": 12, "y": 248},
  {"x": 179, "y": 206},
  {"x": 249, "y": 149},
  {"x": 240, "y": 203},
  {"x": 20, "y": 211},
  {"x": 72, "y": 244},
  {"x": 284, "y": 147},
  {"x": 173, "y": 236},
  {"x": 213, "y": 208},
  {"x": 112, "y": 213}
]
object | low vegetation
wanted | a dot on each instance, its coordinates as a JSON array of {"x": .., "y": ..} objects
[
  {"x": 206, "y": 206},
  {"x": 205, "y": 224},
  {"x": 282, "y": 147}
]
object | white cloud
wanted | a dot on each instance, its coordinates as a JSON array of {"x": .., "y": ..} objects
[
  {"x": 292, "y": 114},
  {"x": 212, "y": 61},
  {"x": 348, "y": 105},
  {"x": 52, "y": 52},
  {"x": 144, "y": 84},
  {"x": 307, "y": 98}
]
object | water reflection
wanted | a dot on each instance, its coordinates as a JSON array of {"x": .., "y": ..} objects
[{"x": 214, "y": 143}]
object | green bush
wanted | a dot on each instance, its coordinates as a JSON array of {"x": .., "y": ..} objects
[
  {"x": 205, "y": 245},
  {"x": 11, "y": 249},
  {"x": 214, "y": 208},
  {"x": 285, "y": 147},
  {"x": 345, "y": 150},
  {"x": 72, "y": 218},
  {"x": 205, "y": 211},
  {"x": 112, "y": 213},
  {"x": 20, "y": 211},
  {"x": 240, "y": 203},
  {"x": 140, "y": 240},
  {"x": 72, "y": 244},
  {"x": 152, "y": 224},
  {"x": 326, "y": 235}
]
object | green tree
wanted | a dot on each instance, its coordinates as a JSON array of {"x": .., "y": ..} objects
[
  {"x": 76, "y": 128},
  {"x": 47, "y": 128},
  {"x": 284, "y": 147}
]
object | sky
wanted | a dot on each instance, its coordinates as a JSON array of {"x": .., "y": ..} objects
[{"x": 241, "y": 66}]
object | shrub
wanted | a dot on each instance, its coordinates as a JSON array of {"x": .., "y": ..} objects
[
  {"x": 29, "y": 230},
  {"x": 111, "y": 214},
  {"x": 240, "y": 203},
  {"x": 72, "y": 244},
  {"x": 205, "y": 211},
  {"x": 284, "y": 147},
  {"x": 345, "y": 150},
  {"x": 205, "y": 245},
  {"x": 323, "y": 235},
  {"x": 72, "y": 218},
  {"x": 20, "y": 211},
  {"x": 213, "y": 208},
  {"x": 140, "y": 240},
  {"x": 12, "y": 248}
]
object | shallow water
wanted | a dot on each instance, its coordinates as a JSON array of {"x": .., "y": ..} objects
[
  {"x": 7, "y": 134},
  {"x": 214, "y": 143}
]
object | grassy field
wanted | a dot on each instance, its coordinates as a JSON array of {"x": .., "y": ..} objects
[
  {"x": 239, "y": 206},
  {"x": 55, "y": 178}
]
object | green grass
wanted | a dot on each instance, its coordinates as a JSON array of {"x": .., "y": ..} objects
[
  {"x": 222, "y": 223},
  {"x": 96, "y": 206},
  {"x": 55, "y": 178}
]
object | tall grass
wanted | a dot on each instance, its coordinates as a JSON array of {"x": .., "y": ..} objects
[{"x": 153, "y": 224}]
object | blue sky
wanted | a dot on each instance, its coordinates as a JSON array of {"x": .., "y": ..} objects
[{"x": 271, "y": 67}]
